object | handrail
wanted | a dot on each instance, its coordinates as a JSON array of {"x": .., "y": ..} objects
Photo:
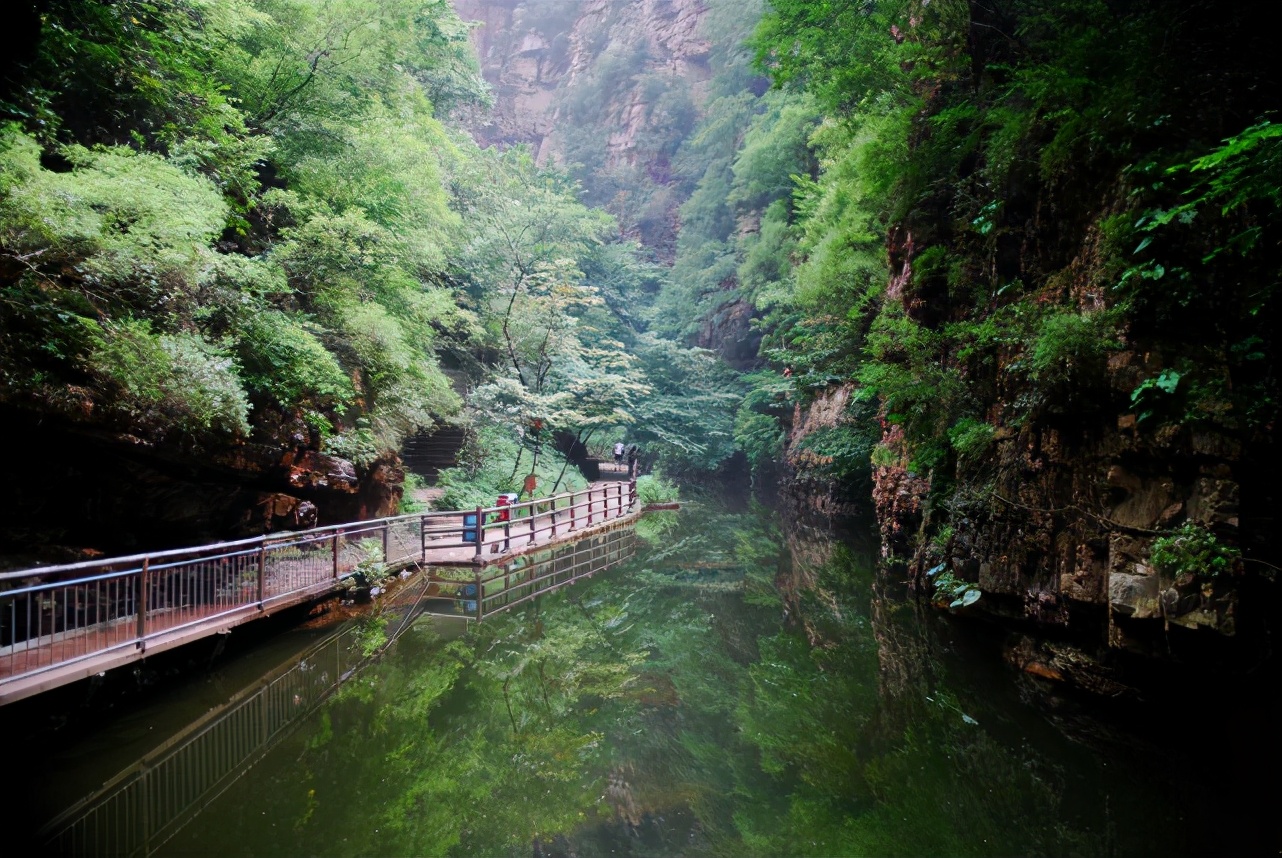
[{"x": 68, "y": 614}]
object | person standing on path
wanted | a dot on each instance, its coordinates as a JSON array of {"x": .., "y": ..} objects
[
  {"x": 618, "y": 453},
  {"x": 632, "y": 462}
]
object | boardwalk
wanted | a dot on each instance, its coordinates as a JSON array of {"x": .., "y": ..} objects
[{"x": 64, "y": 623}]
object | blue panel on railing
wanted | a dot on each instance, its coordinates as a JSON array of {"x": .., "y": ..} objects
[{"x": 469, "y": 520}]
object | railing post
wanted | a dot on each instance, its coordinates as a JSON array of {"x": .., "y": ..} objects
[
  {"x": 422, "y": 539},
  {"x": 574, "y": 506},
  {"x": 142, "y": 603},
  {"x": 534, "y": 517},
  {"x": 262, "y": 574},
  {"x": 338, "y": 534},
  {"x": 387, "y": 530},
  {"x": 145, "y": 812},
  {"x": 480, "y": 533},
  {"x": 589, "y": 506}
]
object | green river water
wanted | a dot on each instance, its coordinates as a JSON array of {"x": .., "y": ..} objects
[{"x": 740, "y": 687}]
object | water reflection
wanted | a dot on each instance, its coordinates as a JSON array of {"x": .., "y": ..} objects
[
  {"x": 738, "y": 688},
  {"x": 143, "y": 806},
  {"x": 140, "y": 808}
]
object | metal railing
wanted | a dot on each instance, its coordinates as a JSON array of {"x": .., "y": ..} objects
[
  {"x": 522, "y": 578},
  {"x": 543, "y": 519},
  {"x": 55, "y": 617},
  {"x": 139, "y": 809}
]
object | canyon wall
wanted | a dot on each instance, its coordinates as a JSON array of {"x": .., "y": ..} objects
[{"x": 532, "y": 52}]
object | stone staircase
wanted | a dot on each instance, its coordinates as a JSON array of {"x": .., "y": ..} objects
[{"x": 427, "y": 453}]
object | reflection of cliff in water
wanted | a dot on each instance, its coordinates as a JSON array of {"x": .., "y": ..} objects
[
  {"x": 814, "y": 548},
  {"x": 964, "y": 727}
]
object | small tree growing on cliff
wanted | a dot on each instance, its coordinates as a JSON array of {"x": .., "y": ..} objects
[{"x": 1193, "y": 550}]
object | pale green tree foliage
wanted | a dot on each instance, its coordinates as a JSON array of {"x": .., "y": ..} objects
[
  {"x": 343, "y": 270},
  {"x": 559, "y": 374},
  {"x": 301, "y": 67},
  {"x": 687, "y": 419},
  {"x": 158, "y": 283},
  {"x": 107, "y": 265},
  {"x": 115, "y": 214},
  {"x": 339, "y": 85},
  {"x": 392, "y": 171}
]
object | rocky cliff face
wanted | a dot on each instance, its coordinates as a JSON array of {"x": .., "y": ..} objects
[
  {"x": 79, "y": 492},
  {"x": 807, "y": 485},
  {"x": 1058, "y": 532},
  {"x": 532, "y": 52},
  {"x": 1058, "y": 520}
]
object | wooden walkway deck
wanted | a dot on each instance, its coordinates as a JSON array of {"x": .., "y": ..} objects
[{"x": 65, "y": 623}]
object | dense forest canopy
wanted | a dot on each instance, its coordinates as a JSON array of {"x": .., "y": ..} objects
[
  {"x": 1003, "y": 271},
  {"x": 971, "y": 207},
  {"x": 232, "y": 222},
  {"x": 236, "y": 224}
]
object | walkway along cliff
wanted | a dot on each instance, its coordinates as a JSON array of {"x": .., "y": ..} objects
[{"x": 64, "y": 623}]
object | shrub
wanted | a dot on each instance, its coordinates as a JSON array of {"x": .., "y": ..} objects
[
  {"x": 842, "y": 452},
  {"x": 488, "y": 467},
  {"x": 174, "y": 380},
  {"x": 1193, "y": 550},
  {"x": 951, "y": 591},
  {"x": 1070, "y": 347},
  {"x": 357, "y": 445},
  {"x": 282, "y": 357},
  {"x": 409, "y": 503},
  {"x": 204, "y": 386},
  {"x": 1156, "y": 394},
  {"x": 970, "y": 438},
  {"x": 759, "y": 436},
  {"x": 653, "y": 488},
  {"x": 132, "y": 224}
]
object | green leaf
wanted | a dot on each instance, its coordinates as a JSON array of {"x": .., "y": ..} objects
[{"x": 1168, "y": 380}]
